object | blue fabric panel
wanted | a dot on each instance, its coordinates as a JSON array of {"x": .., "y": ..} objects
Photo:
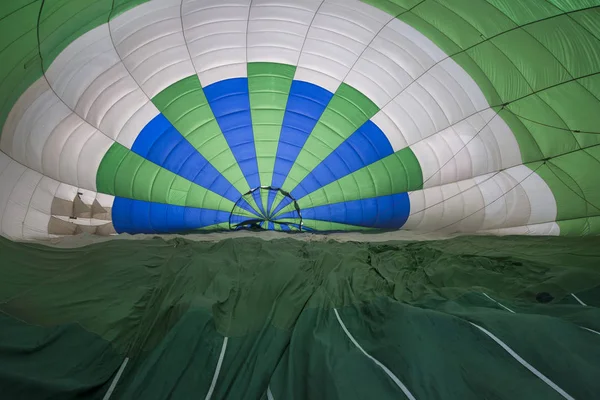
[
  {"x": 365, "y": 146},
  {"x": 305, "y": 106},
  {"x": 230, "y": 102},
  {"x": 136, "y": 216},
  {"x": 284, "y": 203},
  {"x": 270, "y": 200},
  {"x": 385, "y": 212},
  {"x": 284, "y": 227},
  {"x": 162, "y": 144}
]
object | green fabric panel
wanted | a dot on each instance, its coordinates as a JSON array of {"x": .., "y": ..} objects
[
  {"x": 169, "y": 305},
  {"x": 575, "y": 48},
  {"x": 347, "y": 111},
  {"x": 63, "y": 21},
  {"x": 37, "y": 362},
  {"x": 525, "y": 12},
  {"x": 506, "y": 80},
  {"x": 20, "y": 65},
  {"x": 580, "y": 227},
  {"x": 481, "y": 15},
  {"x": 449, "y": 23},
  {"x": 589, "y": 20},
  {"x": 571, "y": 5},
  {"x": 568, "y": 177},
  {"x": 417, "y": 364},
  {"x": 186, "y": 107},
  {"x": 269, "y": 86},
  {"x": 397, "y": 173},
  {"x": 539, "y": 118},
  {"x": 576, "y": 105},
  {"x": 537, "y": 65},
  {"x": 125, "y": 174}
]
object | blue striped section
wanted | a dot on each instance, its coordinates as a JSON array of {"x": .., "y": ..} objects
[
  {"x": 385, "y": 212},
  {"x": 305, "y": 106},
  {"x": 161, "y": 143},
  {"x": 230, "y": 102},
  {"x": 137, "y": 216},
  {"x": 365, "y": 146}
]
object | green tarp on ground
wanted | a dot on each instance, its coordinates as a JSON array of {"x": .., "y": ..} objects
[{"x": 466, "y": 318}]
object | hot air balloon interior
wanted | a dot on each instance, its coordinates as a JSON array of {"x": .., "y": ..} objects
[{"x": 299, "y": 199}]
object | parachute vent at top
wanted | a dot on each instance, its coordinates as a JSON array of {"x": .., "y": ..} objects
[{"x": 433, "y": 116}]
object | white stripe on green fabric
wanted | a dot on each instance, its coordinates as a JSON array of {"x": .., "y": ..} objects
[
  {"x": 113, "y": 384},
  {"x": 497, "y": 302},
  {"x": 590, "y": 330},
  {"x": 524, "y": 363},
  {"x": 270, "y": 394},
  {"x": 578, "y": 299},
  {"x": 383, "y": 367},
  {"x": 217, "y": 370}
]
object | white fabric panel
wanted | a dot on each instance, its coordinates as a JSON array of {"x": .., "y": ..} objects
[
  {"x": 511, "y": 198},
  {"x": 105, "y": 200},
  {"x": 543, "y": 203},
  {"x": 277, "y": 29},
  {"x": 10, "y": 174},
  {"x": 43, "y": 134},
  {"x": 66, "y": 192},
  {"x": 215, "y": 31},
  {"x": 392, "y": 62},
  {"x": 35, "y": 225},
  {"x": 472, "y": 147},
  {"x": 339, "y": 34},
  {"x": 18, "y": 203},
  {"x": 83, "y": 221},
  {"x": 545, "y": 229},
  {"x": 150, "y": 41},
  {"x": 90, "y": 78},
  {"x": 390, "y": 130}
]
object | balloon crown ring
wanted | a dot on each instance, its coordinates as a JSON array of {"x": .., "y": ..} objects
[{"x": 258, "y": 217}]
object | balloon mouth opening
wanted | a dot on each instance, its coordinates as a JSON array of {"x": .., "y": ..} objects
[{"x": 266, "y": 208}]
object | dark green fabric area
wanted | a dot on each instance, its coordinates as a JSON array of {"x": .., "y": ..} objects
[{"x": 276, "y": 316}]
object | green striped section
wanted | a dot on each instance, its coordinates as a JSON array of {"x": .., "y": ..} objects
[
  {"x": 580, "y": 226},
  {"x": 347, "y": 111},
  {"x": 397, "y": 173},
  {"x": 186, "y": 107},
  {"x": 61, "y": 22},
  {"x": 64, "y": 21},
  {"x": 575, "y": 191},
  {"x": 125, "y": 174},
  {"x": 20, "y": 65},
  {"x": 545, "y": 66},
  {"x": 269, "y": 86}
]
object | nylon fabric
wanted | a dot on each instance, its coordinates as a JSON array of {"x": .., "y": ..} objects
[{"x": 169, "y": 305}]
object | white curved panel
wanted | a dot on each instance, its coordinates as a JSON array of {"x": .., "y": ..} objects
[
  {"x": 472, "y": 147},
  {"x": 215, "y": 31},
  {"x": 545, "y": 229},
  {"x": 277, "y": 28},
  {"x": 92, "y": 81},
  {"x": 339, "y": 34},
  {"x": 500, "y": 200},
  {"x": 44, "y": 135},
  {"x": 149, "y": 40}
]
